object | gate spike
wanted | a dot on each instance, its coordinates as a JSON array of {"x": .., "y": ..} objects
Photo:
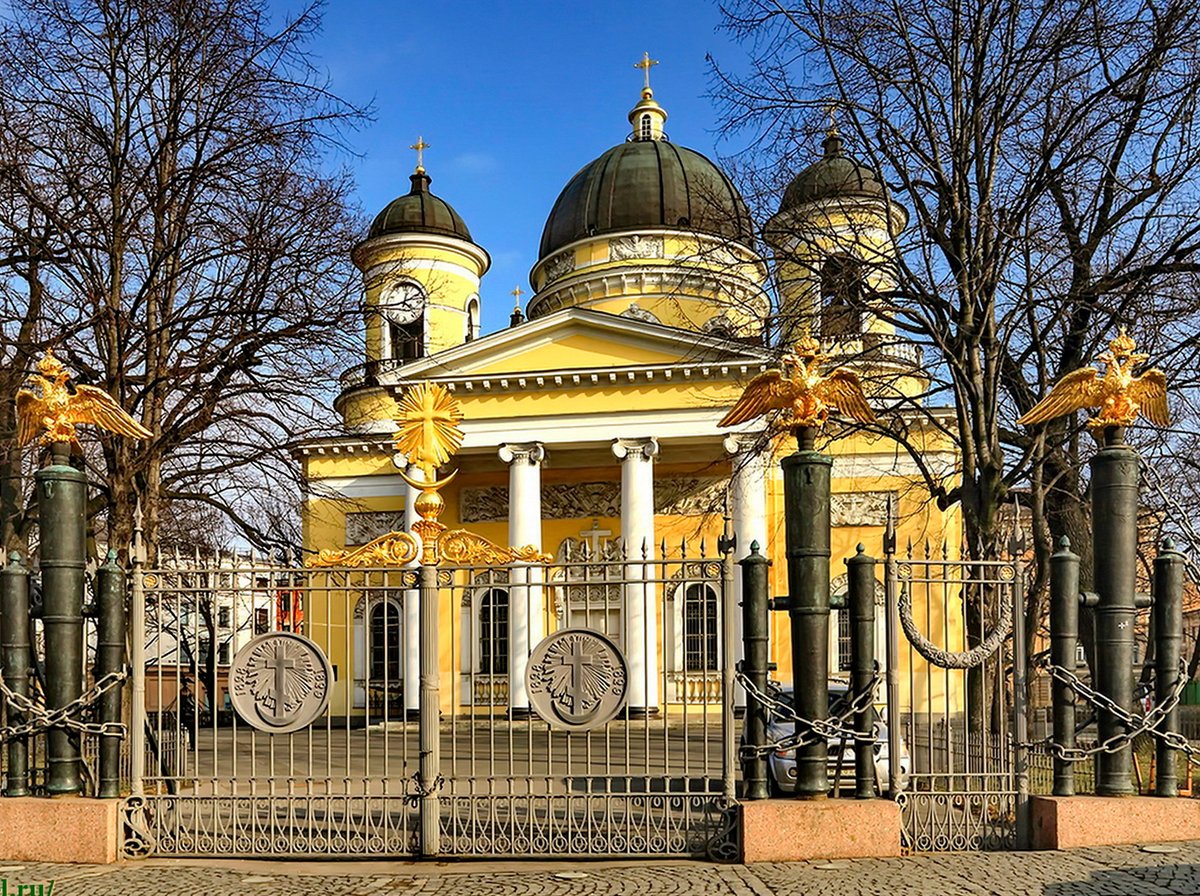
[
  {"x": 909, "y": 549},
  {"x": 945, "y": 550},
  {"x": 926, "y": 548},
  {"x": 682, "y": 548},
  {"x": 703, "y": 547}
]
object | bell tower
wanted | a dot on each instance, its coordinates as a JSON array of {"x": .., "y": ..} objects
[
  {"x": 834, "y": 244},
  {"x": 421, "y": 275}
]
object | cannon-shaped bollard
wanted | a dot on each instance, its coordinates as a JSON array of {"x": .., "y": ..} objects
[
  {"x": 62, "y": 501},
  {"x": 110, "y": 660},
  {"x": 1167, "y": 615},
  {"x": 860, "y": 571},
  {"x": 806, "y": 528},
  {"x": 1064, "y": 641},
  {"x": 756, "y": 626},
  {"x": 16, "y": 654},
  {"x": 1114, "y": 547}
]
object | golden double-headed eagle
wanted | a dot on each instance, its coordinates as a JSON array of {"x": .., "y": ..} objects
[
  {"x": 57, "y": 410},
  {"x": 1118, "y": 395},
  {"x": 799, "y": 387}
]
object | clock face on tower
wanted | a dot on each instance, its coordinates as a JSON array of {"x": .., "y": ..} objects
[{"x": 402, "y": 302}]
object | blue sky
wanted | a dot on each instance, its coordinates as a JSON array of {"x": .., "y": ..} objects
[{"x": 513, "y": 99}]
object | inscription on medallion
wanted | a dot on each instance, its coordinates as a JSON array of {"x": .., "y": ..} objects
[
  {"x": 576, "y": 679},
  {"x": 279, "y": 682}
]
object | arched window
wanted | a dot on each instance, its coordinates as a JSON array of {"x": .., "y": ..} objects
[
  {"x": 385, "y": 655},
  {"x": 472, "y": 319},
  {"x": 699, "y": 628},
  {"x": 647, "y": 128},
  {"x": 841, "y": 297},
  {"x": 493, "y": 632}
]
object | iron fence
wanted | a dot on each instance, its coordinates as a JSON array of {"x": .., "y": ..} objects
[{"x": 656, "y": 779}]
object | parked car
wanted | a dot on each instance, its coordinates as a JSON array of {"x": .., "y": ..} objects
[{"x": 781, "y": 765}]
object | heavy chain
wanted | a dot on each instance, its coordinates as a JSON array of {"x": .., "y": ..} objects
[
  {"x": 39, "y": 718},
  {"x": 1135, "y": 726},
  {"x": 809, "y": 731},
  {"x": 962, "y": 659},
  {"x": 418, "y": 791}
]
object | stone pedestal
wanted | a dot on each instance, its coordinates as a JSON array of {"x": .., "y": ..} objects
[
  {"x": 1065, "y": 822},
  {"x": 68, "y": 829},
  {"x": 787, "y": 830}
]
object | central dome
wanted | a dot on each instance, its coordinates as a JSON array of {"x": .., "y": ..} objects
[{"x": 647, "y": 184}]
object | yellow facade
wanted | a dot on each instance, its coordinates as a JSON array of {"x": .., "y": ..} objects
[{"x": 647, "y": 332}]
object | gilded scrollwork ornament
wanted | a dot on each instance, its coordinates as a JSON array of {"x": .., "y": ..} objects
[
  {"x": 429, "y": 435},
  {"x": 393, "y": 549}
]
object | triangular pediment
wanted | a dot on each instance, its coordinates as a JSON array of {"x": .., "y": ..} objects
[{"x": 580, "y": 339}]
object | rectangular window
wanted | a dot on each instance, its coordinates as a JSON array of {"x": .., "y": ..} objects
[
  {"x": 223, "y": 653},
  {"x": 262, "y": 621},
  {"x": 843, "y": 639},
  {"x": 223, "y": 616}
]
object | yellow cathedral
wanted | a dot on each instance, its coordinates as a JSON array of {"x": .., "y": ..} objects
[{"x": 591, "y": 420}]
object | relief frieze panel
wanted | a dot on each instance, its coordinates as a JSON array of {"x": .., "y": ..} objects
[
  {"x": 681, "y": 496},
  {"x": 859, "y": 509},
  {"x": 623, "y": 247},
  {"x": 362, "y": 528},
  {"x": 559, "y": 266}
]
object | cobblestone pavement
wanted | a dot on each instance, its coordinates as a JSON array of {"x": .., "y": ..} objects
[{"x": 1112, "y": 871}]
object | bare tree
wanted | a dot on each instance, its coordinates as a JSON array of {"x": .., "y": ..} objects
[
  {"x": 180, "y": 233},
  {"x": 1048, "y": 157}
]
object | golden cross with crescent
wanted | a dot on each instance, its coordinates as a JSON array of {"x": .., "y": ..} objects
[
  {"x": 420, "y": 146},
  {"x": 645, "y": 65},
  {"x": 831, "y": 110}
]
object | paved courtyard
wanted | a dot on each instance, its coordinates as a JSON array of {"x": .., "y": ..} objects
[{"x": 1111, "y": 871}]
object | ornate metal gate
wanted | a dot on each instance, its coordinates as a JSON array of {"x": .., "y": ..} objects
[
  {"x": 477, "y": 772},
  {"x": 955, "y": 691}
]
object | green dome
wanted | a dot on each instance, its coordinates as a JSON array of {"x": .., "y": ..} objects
[
  {"x": 644, "y": 184},
  {"x": 419, "y": 211},
  {"x": 834, "y": 175}
]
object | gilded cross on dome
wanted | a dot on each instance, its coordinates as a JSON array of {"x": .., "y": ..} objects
[
  {"x": 645, "y": 65},
  {"x": 516, "y": 294},
  {"x": 420, "y": 146}
]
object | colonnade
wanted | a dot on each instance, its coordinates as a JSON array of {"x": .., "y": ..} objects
[{"x": 526, "y": 619}]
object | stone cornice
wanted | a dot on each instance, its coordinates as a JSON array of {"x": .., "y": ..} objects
[{"x": 640, "y": 279}]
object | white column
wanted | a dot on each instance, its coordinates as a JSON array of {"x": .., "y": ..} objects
[
  {"x": 525, "y": 612},
  {"x": 410, "y": 632},
  {"x": 748, "y": 514},
  {"x": 637, "y": 535}
]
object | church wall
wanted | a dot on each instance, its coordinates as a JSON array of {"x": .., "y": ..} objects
[{"x": 919, "y": 520}]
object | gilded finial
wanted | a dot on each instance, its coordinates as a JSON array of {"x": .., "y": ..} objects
[
  {"x": 1118, "y": 396},
  {"x": 420, "y": 146},
  {"x": 798, "y": 388},
  {"x": 831, "y": 128},
  {"x": 516, "y": 294},
  {"x": 645, "y": 65},
  {"x": 56, "y": 411}
]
